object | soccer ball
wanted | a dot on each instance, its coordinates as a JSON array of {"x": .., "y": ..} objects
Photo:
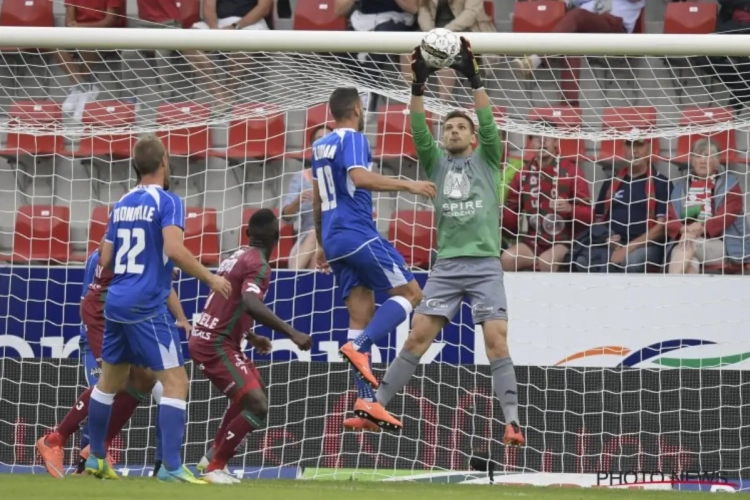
[{"x": 440, "y": 47}]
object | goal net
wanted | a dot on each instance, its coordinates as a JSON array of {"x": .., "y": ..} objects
[{"x": 616, "y": 372}]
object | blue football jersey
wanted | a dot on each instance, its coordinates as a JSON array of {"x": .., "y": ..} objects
[
  {"x": 345, "y": 209},
  {"x": 142, "y": 272},
  {"x": 88, "y": 276}
]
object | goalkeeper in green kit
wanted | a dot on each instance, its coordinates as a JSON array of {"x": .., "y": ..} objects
[{"x": 467, "y": 213}]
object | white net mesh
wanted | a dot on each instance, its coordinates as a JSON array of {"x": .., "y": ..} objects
[{"x": 238, "y": 128}]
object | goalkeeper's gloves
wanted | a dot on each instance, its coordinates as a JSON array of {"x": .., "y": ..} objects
[
  {"x": 420, "y": 72},
  {"x": 467, "y": 65}
]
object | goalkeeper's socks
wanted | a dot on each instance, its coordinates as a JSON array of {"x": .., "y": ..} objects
[
  {"x": 157, "y": 466},
  {"x": 122, "y": 409},
  {"x": 100, "y": 409},
  {"x": 172, "y": 420},
  {"x": 397, "y": 376},
  {"x": 72, "y": 420},
  {"x": 388, "y": 316},
  {"x": 84, "y": 435},
  {"x": 506, "y": 387}
]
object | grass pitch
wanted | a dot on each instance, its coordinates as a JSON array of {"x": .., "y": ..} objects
[{"x": 85, "y": 488}]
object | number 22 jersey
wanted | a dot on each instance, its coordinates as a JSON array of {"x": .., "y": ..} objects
[
  {"x": 142, "y": 272},
  {"x": 346, "y": 211}
]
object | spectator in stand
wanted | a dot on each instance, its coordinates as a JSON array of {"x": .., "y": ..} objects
[
  {"x": 549, "y": 200},
  {"x": 455, "y": 15},
  {"x": 511, "y": 166},
  {"x": 732, "y": 71},
  {"x": 160, "y": 14},
  {"x": 86, "y": 14},
  {"x": 706, "y": 214},
  {"x": 379, "y": 15},
  {"x": 228, "y": 15},
  {"x": 298, "y": 210},
  {"x": 586, "y": 16},
  {"x": 631, "y": 211}
]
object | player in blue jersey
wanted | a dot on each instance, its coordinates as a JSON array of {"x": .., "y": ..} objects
[
  {"x": 144, "y": 241},
  {"x": 361, "y": 259}
]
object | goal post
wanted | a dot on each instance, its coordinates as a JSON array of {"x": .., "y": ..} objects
[{"x": 616, "y": 372}]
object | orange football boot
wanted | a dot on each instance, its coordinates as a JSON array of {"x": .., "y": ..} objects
[
  {"x": 53, "y": 457},
  {"x": 375, "y": 413},
  {"x": 360, "y": 362},
  {"x": 513, "y": 435},
  {"x": 360, "y": 424}
]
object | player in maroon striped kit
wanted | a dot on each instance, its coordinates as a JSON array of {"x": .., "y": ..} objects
[
  {"x": 140, "y": 385},
  {"x": 215, "y": 344}
]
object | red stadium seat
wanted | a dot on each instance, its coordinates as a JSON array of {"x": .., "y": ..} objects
[
  {"x": 414, "y": 235},
  {"x": 489, "y": 9},
  {"x": 97, "y": 227},
  {"x": 261, "y": 137},
  {"x": 537, "y": 17},
  {"x": 193, "y": 140},
  {"x": 685, "y": 18},
  {"x": 42, "y": 234},
  {"x": 726, "y": 140},
  {"x": 27, "y": 13},
  {"x": 394, "y": 132},
  {"x": 287, "y": 238},
  {"x": 103, "y": 115},
  {"x": 624, "y": 120},
  {"x": 45, "y": 115},
  {"x": 190, "y": 12},
  {"x": 317, "y": 15},
  {"x": 563, "y": 117},
  {"x": 202, "y": 234}
]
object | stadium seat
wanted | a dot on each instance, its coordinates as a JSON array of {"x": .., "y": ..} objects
[
  {"x": 190, "y": 11},
  {"x": 489, "y": 9},
  {"x": 726, "y": 140},
  {"x": 563, "y": 117},
  {"x": 107, "y": 114},
  {"x": 685, "y": 18},
  {"x": 97, "y": 227},
  {"x": 42, "y": 234},
  {"x": 185, "y": 141},
  {"x": 39, "y": 114},
  {"x": 27, "y": 13},
  {"x": 261, "y": 137},
  {"x": 315, "y": 116},
  {"x": 317, "y": 15},
  {"x": 394, "y": 137},
  {"x": 287, "y": 238},
  {"x": 414, "y": 235},
  {"x": 623, "y": 120},
  {"x": 202, "y": 234},
  {"x": 537, "y": 17}
]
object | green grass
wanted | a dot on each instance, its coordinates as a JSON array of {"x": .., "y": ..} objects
[{"x": 86, "y": 488}]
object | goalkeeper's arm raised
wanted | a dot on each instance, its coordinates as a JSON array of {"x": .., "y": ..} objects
[{"x": 428, "y": 152}]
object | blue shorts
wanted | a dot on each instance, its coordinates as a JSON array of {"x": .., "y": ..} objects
[
  {"x": 376, "y": 265},
  {"x": 91, "y": 366},
  {"x": 153, "y": 343}
]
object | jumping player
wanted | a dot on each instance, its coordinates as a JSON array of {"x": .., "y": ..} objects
[
  {"x": 361, "y": 259},
  {"x": 216, "y": 343},
  {"x": 468, "y": 242},
  {"x": 144, "y": 237}
]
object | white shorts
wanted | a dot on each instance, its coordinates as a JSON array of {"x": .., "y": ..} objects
[{"x": 228, "y": 21}]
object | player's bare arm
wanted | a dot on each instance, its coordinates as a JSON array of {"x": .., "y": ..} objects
[
  {"x": 255, "y": 307},
  {"x": 364, "y": 179},
  {"x": 106, "y": 250},
  {"x": 175, "y": 249},
  {"x": 320, "y": 258},
  {"x": 175, "y": 307},
  {"x": 261, "y": 344}
]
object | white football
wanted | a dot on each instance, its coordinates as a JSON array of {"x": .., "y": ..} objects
[{"x": 440, "y": 47}]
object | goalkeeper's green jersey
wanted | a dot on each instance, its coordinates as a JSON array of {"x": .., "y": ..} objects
[{"x": 467, "y": 206}]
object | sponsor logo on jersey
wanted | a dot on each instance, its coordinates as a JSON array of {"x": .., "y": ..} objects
[{"x": 456, "y": 190}]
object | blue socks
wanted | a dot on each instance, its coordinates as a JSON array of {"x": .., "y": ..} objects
[
  {"x": 172, "y": 413},
  {"x": 388, "y": 316},
  {"x": 100, "y": 409},
  {"x": 85, "y": 435},
  {"x": 364, "y": 391}
]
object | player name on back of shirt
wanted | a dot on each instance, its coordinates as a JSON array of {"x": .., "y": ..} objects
[{"x": 130, "y": 214}]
